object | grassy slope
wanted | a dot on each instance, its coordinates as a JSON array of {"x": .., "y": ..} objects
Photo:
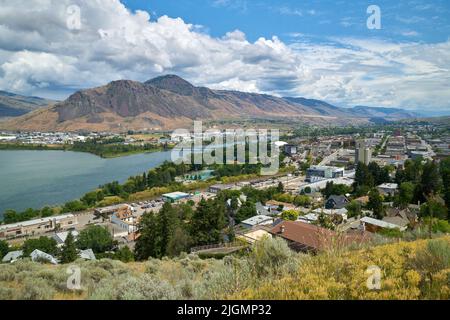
[{"x": 269, "y": 271}]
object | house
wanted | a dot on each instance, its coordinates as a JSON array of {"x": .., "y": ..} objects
[
  {"x": 273, "y": 205},
  {"x": 305, "y": 237},
  {"x": 336, "y": 202},
  {"x": 408, "y": 215},
  {"x": 219, "y": 187},
  {"x": 375, "y": 225},
  {"x": 308, "y": 218},
  {"x": 401, "y": 223},
  {"x": 258, "y": 220},
  {"x": 388, "y": 189},
  {"x": 40, "y": 256},
  {"x": 125, "y": 220},
  {"x": 38, "y": 226},
  {"x": 12, "y": 256},
  {"x": 254, "y": 236},
  {"x": 87, "y": 254}
]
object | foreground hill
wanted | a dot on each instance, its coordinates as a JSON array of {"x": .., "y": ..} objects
[
  {"x": 14, "y": 105},
  {"x": 409, "y": 270},
  {"x": 170, "y": 102}
]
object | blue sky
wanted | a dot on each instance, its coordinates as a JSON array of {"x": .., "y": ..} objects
[
  {"x": 425, "y": 21},
  {"x": 314, "y": 49}
]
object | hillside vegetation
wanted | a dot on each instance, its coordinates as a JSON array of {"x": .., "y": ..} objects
[{"x": 270, "y": 270}]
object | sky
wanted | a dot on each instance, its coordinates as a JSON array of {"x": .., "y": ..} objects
[{"x": 314, "y": 49}]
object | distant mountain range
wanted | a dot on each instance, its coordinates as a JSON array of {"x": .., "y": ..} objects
[
  {"x": 169, "y": 102},
  {"x": 14, "y": 105},
  {"x": 386, "y": 113}
]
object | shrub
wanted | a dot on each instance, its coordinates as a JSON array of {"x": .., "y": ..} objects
[
  {"x": 146, "y": 288},
  {"x": 269, "y": 256},
  {"x": 36, "y": 289}
]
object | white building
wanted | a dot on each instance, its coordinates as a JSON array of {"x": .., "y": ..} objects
[{"x": 388, "y": 189}]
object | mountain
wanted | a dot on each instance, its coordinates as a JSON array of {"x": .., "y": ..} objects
[
  {"x": 14, "y": 105},
  {"x": 390, "y": 114},
  {"x": 169, "y": 102}
]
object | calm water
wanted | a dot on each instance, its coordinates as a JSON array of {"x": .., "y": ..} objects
[{"x": 33, "y": 179}]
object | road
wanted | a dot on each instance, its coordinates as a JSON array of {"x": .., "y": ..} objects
[{"x": 331, "y": 157}]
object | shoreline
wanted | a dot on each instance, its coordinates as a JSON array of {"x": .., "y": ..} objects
[{"x": 23, "y": 147}]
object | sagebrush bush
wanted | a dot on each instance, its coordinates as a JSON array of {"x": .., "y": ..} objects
[
  {"x": 37, "y": 289},
  {"x": 144, "y": 287},
  {"x": 270, "y": 256}
]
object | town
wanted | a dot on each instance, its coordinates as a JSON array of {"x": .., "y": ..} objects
[{"x": 360, "y": 186}]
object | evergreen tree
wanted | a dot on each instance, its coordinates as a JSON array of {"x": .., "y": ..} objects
[
  {"x": 146, "y": 244},
  {"x": 376, "y": 203},
  {"x": 166, "y": 225},
  {"x": 406, "y": 194},
  {"x": 445, "y": 174},
  {"x": 431, "y": 179},
  {"x": 208, "y": 222},
  {"x": 247, "y": 210},
  {"x": 4, "y": 248},
  {"x": 69, "y": 250},
  {"x": 363, "y": 176},
  {"x": 124, "y": 254}
]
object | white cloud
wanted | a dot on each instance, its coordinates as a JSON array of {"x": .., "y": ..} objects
[{"x": 115, "y": 43}]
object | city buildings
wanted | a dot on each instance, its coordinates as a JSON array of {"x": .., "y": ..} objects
[
  {"x": 316, "y": 173},
  {"x": 363, "y": 153},
  {"x": 38, "y": 226}
]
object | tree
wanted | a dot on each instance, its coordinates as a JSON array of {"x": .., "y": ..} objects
[
  {"x": 325, "y": 221},
  {"x": 166, "y": 223},
  {"x": 363, "y": 176},
  {"x": 89, "y": 198},
  {"x": 4, "y": 248},
  {"x": 445, "y": 174},
  {"x": 180, "y": 242},
  {"x": 124, "y": 254},
  {"x": 46, "y": 212},
  {"x": 302, "y": 200},
  {"x": 47, "y": 245},
  {"x": 69, "y": 250},
  {"x": 73, "y": 206},
  {"x": 335, "y": 189},
  {"x": 146, "y": 245},
  {"x": 208, "y": 222},
  {"x": 247, "y": 210},
  {"x": 434, "y": 208},
  {"x": 354, "y": 209},
  {"x": 431, "y": 179},
  {"x": 10, "y": 216},
  {"x": 406, "y": 194},
  {"x": 96, "y": 238},
  {"x": 290, "y": 215},
  {"x": 280, "y": 187},
  {"x": 375, "y": 172},
  {"x": 376, "y": 203}
]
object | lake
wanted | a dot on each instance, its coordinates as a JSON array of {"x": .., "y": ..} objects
[{"x": 34, "y": 179}]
